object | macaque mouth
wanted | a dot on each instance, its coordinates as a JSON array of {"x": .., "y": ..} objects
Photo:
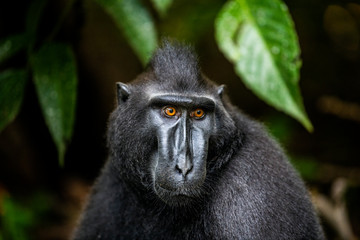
[
  {"x": 176, "y": 191},
  {"x": 178, "y": 197},
  {"x": 183, "y": 192}
]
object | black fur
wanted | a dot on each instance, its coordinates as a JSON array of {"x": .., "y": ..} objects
[{"x": 250, "y": 191}]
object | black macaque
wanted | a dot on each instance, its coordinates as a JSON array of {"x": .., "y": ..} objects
[{"x": 184, "y": 163}]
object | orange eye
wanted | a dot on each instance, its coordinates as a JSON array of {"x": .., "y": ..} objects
[
  {"x": 198, "y": 113},
  {"x": 169, "y": 111}
]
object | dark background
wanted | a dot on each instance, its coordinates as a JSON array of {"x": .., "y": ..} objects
[{"x": 51, "y": 196}]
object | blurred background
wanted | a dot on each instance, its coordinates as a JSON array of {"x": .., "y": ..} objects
[{"x": 39, "y": 199}]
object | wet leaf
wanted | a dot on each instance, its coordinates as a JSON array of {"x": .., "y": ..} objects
[
  {"x": 12, "y": 85},
  {"x": 137, "y": 24},
  {"x": 56, "y": 80},
  {"x": 258, "y": 36}
]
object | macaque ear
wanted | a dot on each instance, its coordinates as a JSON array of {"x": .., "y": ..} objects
[
  {"x": 123, "y": 92},
  {"x": 220, "y": 90}
]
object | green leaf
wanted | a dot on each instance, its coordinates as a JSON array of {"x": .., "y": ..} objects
[
  {"x": 55, "y": 80},
  {"x": 258, "y": 36},
  {"x": 137, "y": 24},
  {"x": 162, "y": 6},
  {"x": 307, "y": 167},
  {"x": 189, "y": 20},
  {"x": 12, "y": 45},
  {"x": 16, "y": 219},
  {"x": 12, "y": 85}
]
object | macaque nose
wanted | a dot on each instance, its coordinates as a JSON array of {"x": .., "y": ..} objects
[{"x": 184, "y": 167}]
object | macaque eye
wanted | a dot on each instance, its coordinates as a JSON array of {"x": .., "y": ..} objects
[
  {"x": 169, "y": 111},
  {"x": 197, "y": 114}
]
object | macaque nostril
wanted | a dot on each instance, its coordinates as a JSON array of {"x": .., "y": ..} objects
[{"x": 184, "y": 169}]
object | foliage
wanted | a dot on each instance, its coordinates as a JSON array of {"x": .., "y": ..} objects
[
  {"x": 190, "y": 20},
  {"x": 258, "y": 37},
  {"x": 54, "y": 75},
  {"x": 15, "y": 220},
  {"x": 17, "y": 217},
  {"x": 282, "y": 129},
  {"x": 53, "y": 72},
  {"x": 162, "y": 6},
  {"x": 137, "y": 24},
  {"x": 11, "y": 94}
]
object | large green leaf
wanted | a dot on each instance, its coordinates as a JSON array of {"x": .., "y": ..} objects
[
  {"x": 56, "y": 80},
  {"x": 258, "y": 36},
  {"x": 12, "y": 85},
  {"x": 12, "y": 45},
  {"x": 162, "y": 6},
  {"x": 137, "y": 24}
]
